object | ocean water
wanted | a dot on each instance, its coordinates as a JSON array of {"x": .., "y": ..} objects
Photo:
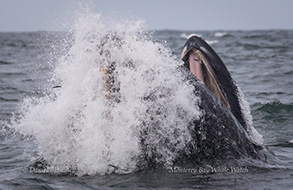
[{"x": 54, "y": 105}]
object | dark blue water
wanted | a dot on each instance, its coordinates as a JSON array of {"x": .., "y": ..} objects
[{"x": 260, "y": 61}]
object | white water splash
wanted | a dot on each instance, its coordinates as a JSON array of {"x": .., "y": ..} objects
[
  {"x": 77, "y": 126},
  {"x": 211, "y": 42},
  {"x": 252, "y": 132}
]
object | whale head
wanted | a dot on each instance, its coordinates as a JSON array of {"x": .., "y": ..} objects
[{"x": 199, "y": 57}]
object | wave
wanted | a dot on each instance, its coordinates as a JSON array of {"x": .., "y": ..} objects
[
  {"x": 15, "y": 44},
  {"x": 220, "y": 34},
  {"x": 211, "y": 42},
  {"x": 275, "y": 107},
  {"x": 5, "y": 62},
  {"x": 251, "y": 45},
  {"x": 8, "y": 99},
  {"x": 187, "y": 36},
  {"x": 288, "y": 144}
]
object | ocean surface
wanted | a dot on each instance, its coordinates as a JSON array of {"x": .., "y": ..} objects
[{"x": 47, "y": 78}]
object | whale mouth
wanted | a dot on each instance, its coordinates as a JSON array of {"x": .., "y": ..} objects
[{"x": 198, "y": 63}]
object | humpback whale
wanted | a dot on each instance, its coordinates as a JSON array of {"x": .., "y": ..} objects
[
  {"x": 218, "y": 134},
  {"x": 221, "y": 131},
  {"x": 223, "y": 120},
  {"x": 215, "y": 75}
]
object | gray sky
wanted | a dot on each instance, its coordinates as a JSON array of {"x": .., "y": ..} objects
[{"x": 36, "y": 15}]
